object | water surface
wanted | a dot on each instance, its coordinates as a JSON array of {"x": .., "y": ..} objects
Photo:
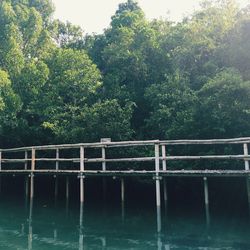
[{"x": 49, "y": 224}]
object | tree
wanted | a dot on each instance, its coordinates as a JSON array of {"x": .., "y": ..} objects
[
  {"x": 172, "y": 103},
  {"x": 92, "y": 122},
  {"x": 235, "y": 50},
  {"x": 129, "y": 58},
  {"x": 9, "y": 107},
  {"x": 72, "y": 110},
  {"x": 223, "y": 109},
  {"x": 12, "y": 59},
  {"x": 67, "y": 34},
  {"x": 197, "y": 38}
]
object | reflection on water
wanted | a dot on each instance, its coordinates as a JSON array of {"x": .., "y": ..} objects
[{"x": 65, "y": 224}]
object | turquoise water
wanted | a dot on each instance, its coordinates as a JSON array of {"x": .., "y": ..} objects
[{"x": 49, "y": 224}]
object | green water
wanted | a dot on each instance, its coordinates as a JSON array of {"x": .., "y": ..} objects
[{"x": 49, "y": 224}]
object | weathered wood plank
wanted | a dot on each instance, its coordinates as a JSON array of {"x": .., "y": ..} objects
[
  {"x": 245, "y": 148},
  {"x": 181, "y": 173},
  {"x": 208, "y": 157},
  {"x": 85, "y": 145},
  {"x": 33, "y": 159},
  {"x": 132, "y": 143},
  {"x": 57, "y": 159},
  {"x": 41, "y": 159},
  {"x": 206, "y": 142},
  {"x": 135, "y": 159},
  {"x": 0, "y": 160}
]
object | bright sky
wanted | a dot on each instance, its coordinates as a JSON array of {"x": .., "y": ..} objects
[{"x": 94, "y": 15}]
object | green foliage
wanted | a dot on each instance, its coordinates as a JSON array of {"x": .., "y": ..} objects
[
  {"x": 9, "y": 106},
  {"x": 234, "y": 52},
  {"x": 172, "y": 103},
  {"x": 73, "y": 78},
  {"x": 73, "y": 111},
  {"x": 91, "y": 122},
  {"x": 139, "y": 79},
  {"x": 66, "y": 34},
  {"x": 224, "y": 106}
]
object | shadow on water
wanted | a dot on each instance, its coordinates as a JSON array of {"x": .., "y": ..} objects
[{"x": 104, "y": 222}]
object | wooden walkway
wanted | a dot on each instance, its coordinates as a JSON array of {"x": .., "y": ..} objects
[
  {"x": 75, "y": 159},
  {"x": 32, "y": 163},
  {"x": 127, "y": 173}
]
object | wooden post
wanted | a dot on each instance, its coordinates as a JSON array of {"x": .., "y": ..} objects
[
  {"x": 67, "y": 188},
  {"x": 206, "y": 190},
  {"x": 123, "y": 211},
  {"x": 123, "y": 198},
  {"x": 26, "y": 185},
  {"x": 122, "y": 190},
  {"x": 164, "y": 168},
  {"x": 33, "y": 159},
  {"x": 158, "y": 215},
  {"x": 81, "y": 216},
  {"x": 31, "y": 186},
  {"x": 67, "y": 194},
  {"x": 103, "y": 158},
  {"x": 206, "y": 197},
  {"x": 157, "y": 169},
  {"x": 57, "y": 159},
  {"x": 246, "y": 154},
  {"x": 245, "y": 148},
  {"x": 81, "y": 176},
  {"x": 157, "y": 184},
  {"x": 30, "y": 235},
  {"x": 57, "y": 168},
  {"x": 0, "y": 160},
  {"x": 0, "y": 170},
  {"x": 56, "y": 188},
  {"x": 103, "y": 140},
  {"x": 164, "y": 162},
  {"x": 104, "y": 184},
  {"x": 26, "y": 160},
  {"x": 159, "y": 242},
  {"x": 33, "y": 162},
  {"x": 81, "y": 227}
]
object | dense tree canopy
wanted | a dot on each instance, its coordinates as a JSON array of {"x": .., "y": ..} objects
[{"x": 140, "y": 79}]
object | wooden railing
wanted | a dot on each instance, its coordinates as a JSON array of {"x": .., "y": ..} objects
[{"x": 160, "y": 156}]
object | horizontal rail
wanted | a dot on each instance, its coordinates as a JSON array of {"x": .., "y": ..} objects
[
  {"x": 206, "y": 142},
  {"x": 136, "y": 159},
  {"x": 85, "y": 145},
  {"x": 190, "y": 173},
  {"x": 131, "y": 143},
  {"x": 208, "y": 157},
  {"x": 40, "y": 159}
]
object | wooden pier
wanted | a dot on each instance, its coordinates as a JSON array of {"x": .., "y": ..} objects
[{"x": 32, "y": 161}]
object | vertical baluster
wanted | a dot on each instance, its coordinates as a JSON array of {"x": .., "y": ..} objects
[
  {"x": 103, "y": 158},
  {"x": 56, "y": 179},
  {"x": 0, "y": 170},
  {"x": 0, "y": 160},
  {"x": 206, "y": 199},
  {"x": 33, "y": 163},
  {"x": 104, "y": 184},
  {"x": 164, "y": 168},
  {"x": 25, "y": 160},
  {"x": 157, "y": 183},
  {"x": 245, "y": 148},
  {"x": 81, "y": 175},
  {"x": 26, "y": 177}
]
